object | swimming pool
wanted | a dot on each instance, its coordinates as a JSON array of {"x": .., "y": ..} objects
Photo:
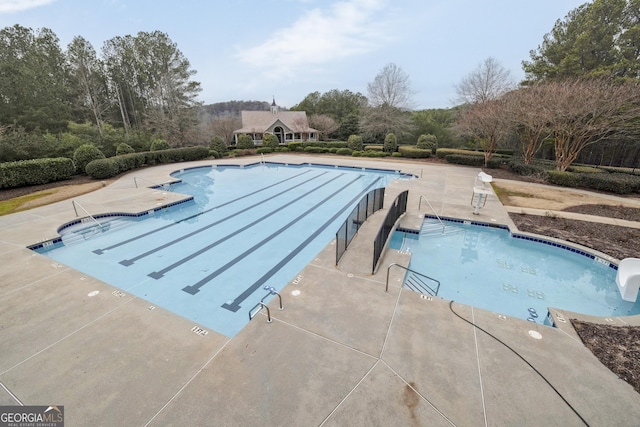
[
  {"x": 518, "y": 276},
  {"x": 212, "y": 258}
]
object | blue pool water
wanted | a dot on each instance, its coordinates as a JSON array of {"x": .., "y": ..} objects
[
  {"x": 488, "y": 268},
  {"x": 211, "y": 258}
]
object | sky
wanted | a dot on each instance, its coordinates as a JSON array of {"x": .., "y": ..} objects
[{"x": 259, "y": 49}]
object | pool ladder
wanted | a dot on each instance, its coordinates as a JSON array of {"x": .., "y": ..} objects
[
  {"x": 262, "y": 304},
  {"x": 415, "y": 281}
]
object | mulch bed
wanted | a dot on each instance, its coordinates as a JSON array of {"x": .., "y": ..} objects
[{"x": 617, "y": 347}]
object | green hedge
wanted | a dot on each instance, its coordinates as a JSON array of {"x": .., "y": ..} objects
[
  {"x": 472, "y": 160},
  {"x": 565, "y": 179},
  {"x": 619, "y": 183},
  {"x": 412, "y": 152},
  {"x": 317, "y": 150},
  {"x": 344, "y": 151},
  {"x": 444, "y": 152},
  {"x": 369, "y": 153},
  {"x": 375, "y": 147},
  {"x": 110, "y": 167},
  {"x": 519, "y": 167},
  {"x": 102, "y": 169},
  {"x": 36, "y": 171}
]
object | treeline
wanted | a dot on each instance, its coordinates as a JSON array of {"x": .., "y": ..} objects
[
  {"x": 231, "y": 108},
  {"x": 136, "y": 89}
]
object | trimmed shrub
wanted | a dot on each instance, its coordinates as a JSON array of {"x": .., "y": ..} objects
[
  {"x": 565, "y": 179},
  {"x": 411, "y": 152},
  {"x": 373, "y": 153},
  {"x": 242, "y": 152},
  {"x": 344, "y": 151},
  {"x": 129, "y": 162},
  {"x": 471, "y": 160},
  {"x": 270, "y": 141},
  {"x": 159, "y": 144},
  {"x": 36, "y": 171},
  {"x": 264, "y": 150},
  {"x": 85, "y": 154},
  {"x": 295, "y": 146},
  {"x": 102, "y": 169},
  {"x": 317, "y": 150},
  {"x": 619, "y": 183},
  {"x": 427, "y": 142},
  {"x": 217, "y": 144},
  {"x": 584, "y": 169},
  {"x": 390, "y": 143},
  {"x": 375, "y": 147},
  {"x": 444, "y": 152},
  {"x": 245, "y": 142},
  {"x": 519, "y": 167},
  {"x": 214, "y": 154},
  {"x": 124, "y": 148},
  {"x": 355, "y": 143}
]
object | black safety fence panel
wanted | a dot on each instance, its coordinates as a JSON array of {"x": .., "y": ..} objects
[
  {"x": 370, "y": 203},
  {"x": 396, "y": 210}
]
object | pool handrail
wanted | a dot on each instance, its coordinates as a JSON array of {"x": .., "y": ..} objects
[
  {"x": 155, "y": 185},
  {"x": 432, "y": 209},
  {"x": 434, "y": 292},
  {"x": 78, "y": 205}
]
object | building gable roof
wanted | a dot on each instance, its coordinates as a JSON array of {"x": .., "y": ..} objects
[{"x": 265, "y": 121}]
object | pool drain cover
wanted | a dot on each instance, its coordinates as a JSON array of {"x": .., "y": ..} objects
[{"x": 535, "y": 334}]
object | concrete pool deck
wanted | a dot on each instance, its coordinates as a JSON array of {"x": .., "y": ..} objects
[{"x": 342, "y": 352}]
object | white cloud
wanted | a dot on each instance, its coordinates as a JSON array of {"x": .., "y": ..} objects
[
  {"x": 20, "y": 5},
  {"x": 320, "y": 36}
]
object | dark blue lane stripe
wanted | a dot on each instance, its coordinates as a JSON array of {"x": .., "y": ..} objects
[
  {"x": 235, "y": 304},
  {"x": 159, "y": 274},
  {"x": 128, "y": 262},
  {"x": 194, "y": 289},
  {"x": 124, "y": 242}
]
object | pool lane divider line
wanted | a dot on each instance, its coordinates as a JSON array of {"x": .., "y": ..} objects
[
  {"x": 159, "y": 274},
  {"x": 235, "y": 304},
  {"x": 195, "y": 288},
  {"x": 130, "y": 261},
  {"x": 133, "y": 239}
]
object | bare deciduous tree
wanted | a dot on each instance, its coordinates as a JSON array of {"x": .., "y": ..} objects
[
  {"x": 324, "y": 124},
  {"x": 488, "y": 122},
  {"x": 391, "y": 87},
  {"x": 489, "y": 81},
  {"x": 529, "y": 116},
  {"x": 224, "y": 127},
  {"x": 586, "y": 111}
]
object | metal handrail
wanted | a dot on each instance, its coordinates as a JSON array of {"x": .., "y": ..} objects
[
  {"x": 272, "y": 291},
  {"x": 432, "y": 209},
  {"x": 78, "y": 205},
  {"x": 435, "y": 292},
  {"x": 136, "y": 178}
]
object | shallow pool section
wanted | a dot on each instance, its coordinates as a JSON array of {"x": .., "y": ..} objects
[
  {"x": 487, "y": 267},
  {"x": 211, "y": 259}
]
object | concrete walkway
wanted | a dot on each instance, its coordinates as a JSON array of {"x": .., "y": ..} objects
[
  {"x": 573, "y": 215},
  {"x": 342, "y": 352}
]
